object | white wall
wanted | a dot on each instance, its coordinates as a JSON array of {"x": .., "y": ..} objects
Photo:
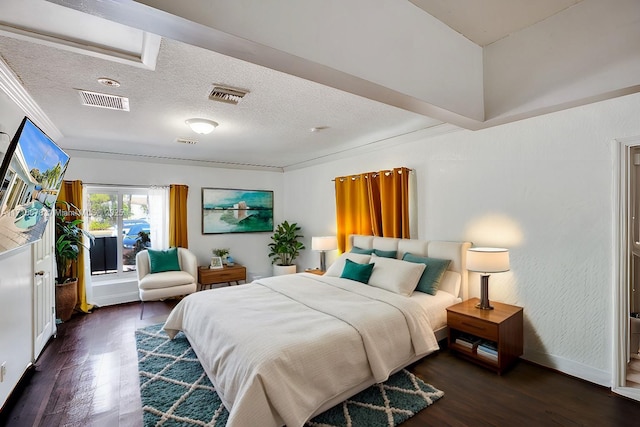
[
  {"x": 16, "y": 278},
  {"x": 248, "y": 249},
  {"x": 541, "y": 187}
]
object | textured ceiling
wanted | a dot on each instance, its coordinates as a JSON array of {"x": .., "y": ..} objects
[
  {"x": 271, "y": 126},
  {"x": 269, "y": 129}
]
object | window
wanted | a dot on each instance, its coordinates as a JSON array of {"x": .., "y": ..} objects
[{"x": 122, "y": 221}]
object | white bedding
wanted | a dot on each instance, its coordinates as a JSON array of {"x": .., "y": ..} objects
[
  {"x": 277, "y": 349},
  {"x": 436, "y": 306}
]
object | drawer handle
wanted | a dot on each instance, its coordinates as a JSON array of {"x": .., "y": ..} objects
[{"x": 472, "y": 325}]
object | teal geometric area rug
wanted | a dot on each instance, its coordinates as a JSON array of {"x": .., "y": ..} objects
[{"x": 176, "y": 391}]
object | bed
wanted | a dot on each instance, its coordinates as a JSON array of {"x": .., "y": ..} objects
[{"x": 281, "y": 350}]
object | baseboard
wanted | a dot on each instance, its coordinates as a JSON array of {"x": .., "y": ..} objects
[
  {"x": 15, "y": 394},
  {"x": 570, "y": 367},
  {"x": 113, "y": 299}
]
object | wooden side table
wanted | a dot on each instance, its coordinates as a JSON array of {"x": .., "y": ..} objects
[
  {"x": 314, "y": 271},
  {"x": 228, "y": 274},
  {"x": 501, "y": 328}
]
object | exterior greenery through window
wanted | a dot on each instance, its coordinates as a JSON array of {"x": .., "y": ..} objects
[{"x": 118, "y": 217}]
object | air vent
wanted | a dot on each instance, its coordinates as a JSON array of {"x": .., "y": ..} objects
[
  {"x": 102, "y": 100},
  {"x": 230, "y": 95},
  {"x": 186, "y": 141}
]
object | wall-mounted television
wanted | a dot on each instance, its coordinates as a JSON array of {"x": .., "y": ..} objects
[{"x": 31, "y": 174}]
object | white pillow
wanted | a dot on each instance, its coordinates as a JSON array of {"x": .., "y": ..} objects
[
  {"x": 400, "y": 277},
  {"x": 338, "y": 265},
  {"x": 450, "y": 282}
]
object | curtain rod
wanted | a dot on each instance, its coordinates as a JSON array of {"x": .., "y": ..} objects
[
  {"x": 98, "y": 184},
  {"x": 375, "y": 172}
]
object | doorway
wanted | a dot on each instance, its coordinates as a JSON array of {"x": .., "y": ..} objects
[{"x": 626, "y": 369}]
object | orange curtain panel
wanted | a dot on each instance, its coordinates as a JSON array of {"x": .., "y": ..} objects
[
  {"x": 373, "y": 203},
  {"x": 71, "y": 192},
  {"x": 178, "y": 235},
  {"x": 353, "y": 214},
  {"x": 394, "y": 202}
]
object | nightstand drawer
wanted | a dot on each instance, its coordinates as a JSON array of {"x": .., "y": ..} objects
[
  {"x": 210, "y": 276},
  {"x": 230, "y": 276},
  {"x": 478, "y": 327}
]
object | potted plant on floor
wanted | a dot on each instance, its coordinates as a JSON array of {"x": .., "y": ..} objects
[
  {"x": 285, "y": 248},
  {"x": 69, "y": 242}
]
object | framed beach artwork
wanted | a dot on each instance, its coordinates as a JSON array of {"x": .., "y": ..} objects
[{"x": 226, "y": 210}]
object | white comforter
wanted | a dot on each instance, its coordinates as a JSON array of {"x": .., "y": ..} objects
[{"x": 277, "y": 349}]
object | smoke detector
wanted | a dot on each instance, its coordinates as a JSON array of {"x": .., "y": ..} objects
[
  {"x": 103, "y": 100},
  {"x": 229, "y": 95},
  {"x": 108, "y": 82},
  {"x": 186, "y": 141}
]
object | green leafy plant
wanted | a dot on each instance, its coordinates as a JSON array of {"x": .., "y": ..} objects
[
  {"x": 285, "y": 246},
  {"x": 221, "y": 252},
  {"x": 69, "y": 239}
]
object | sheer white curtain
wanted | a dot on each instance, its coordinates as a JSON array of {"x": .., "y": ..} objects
[
  {"x": 87, "y": 244},
  {"x": 158, "y": 216}
]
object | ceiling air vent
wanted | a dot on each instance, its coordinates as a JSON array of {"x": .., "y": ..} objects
[
  {"x": 102, "y": 100},
  {"x": 186, "y": 141},
  {"x": 230, "y": 95}
]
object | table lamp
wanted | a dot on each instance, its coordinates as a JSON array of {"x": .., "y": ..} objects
[
  {"x": 323, "y": 244},
  {"x": 485, "y": 261}
]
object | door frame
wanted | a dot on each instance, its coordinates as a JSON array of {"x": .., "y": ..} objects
[{"x": 621, "y": 270}]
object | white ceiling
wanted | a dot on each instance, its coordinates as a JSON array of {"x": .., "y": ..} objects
[
  {"x": 486, "y": 21},
  {"x": 54, "y": 50}
]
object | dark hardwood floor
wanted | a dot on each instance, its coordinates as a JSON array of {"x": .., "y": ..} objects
[{"x": 87, "y": 376}]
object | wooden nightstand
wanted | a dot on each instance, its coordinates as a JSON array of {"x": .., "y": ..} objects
[
  {"x": 314, "y": 271},
  {"x": 500, "y": 327},
  {"x": 228, "y": 274}
]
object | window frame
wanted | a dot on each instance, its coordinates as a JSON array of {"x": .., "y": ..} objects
[{"x": 119, "y": 191}]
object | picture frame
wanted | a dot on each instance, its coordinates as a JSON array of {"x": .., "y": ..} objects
[
  {"x": 229, "y": 210},
  {"x": 216, "y": 262}
]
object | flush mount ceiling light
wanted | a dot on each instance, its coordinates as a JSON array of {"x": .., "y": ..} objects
[{"x": 201, "y": 126}]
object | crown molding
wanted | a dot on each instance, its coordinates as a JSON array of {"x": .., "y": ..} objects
[{"x": 11, "y": 85}]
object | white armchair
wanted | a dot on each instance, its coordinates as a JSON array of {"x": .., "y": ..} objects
[{"x": 158, "y": 286}]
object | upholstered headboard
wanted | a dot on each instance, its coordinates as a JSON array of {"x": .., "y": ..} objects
[{"x": 454, "y": 251}]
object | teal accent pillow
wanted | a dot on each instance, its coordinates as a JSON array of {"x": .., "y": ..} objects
[
  {"x": 160, "y": 261},
  {"x": 385, "y": 254},
  {"x": 432, "y": 274},
  {"x": 357, "y": 250},
  {"x": 358, "y": 272}
]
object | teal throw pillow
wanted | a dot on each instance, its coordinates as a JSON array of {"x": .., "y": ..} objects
[
  {"x": 432, "y": 274},
  {"x": 160, "y": 261},
  {"x": 357, "y": 250},
  {"x": 358, "y": 272},
  {"x": 385, "y": 254}
]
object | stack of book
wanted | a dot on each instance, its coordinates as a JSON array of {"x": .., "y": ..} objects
[
  {"x": 488, "y": 349},
  {"x": 467, "y": 341}
]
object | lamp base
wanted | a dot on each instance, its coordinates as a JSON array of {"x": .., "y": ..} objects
[
  {"x": 484, "y": 294},
  {"x": 323, "y": 262}
]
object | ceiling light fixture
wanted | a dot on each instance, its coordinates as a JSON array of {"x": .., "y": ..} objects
[{"x": 201, "y": 126}]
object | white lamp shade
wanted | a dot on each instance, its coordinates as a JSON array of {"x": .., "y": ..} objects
[
  {"x": 488, "y": 260},
  {"x": 201, "y": 126},
  {"x": 324, "y": 243}
]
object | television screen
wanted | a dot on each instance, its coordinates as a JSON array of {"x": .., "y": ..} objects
[{"x": 32, "y": 170}]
